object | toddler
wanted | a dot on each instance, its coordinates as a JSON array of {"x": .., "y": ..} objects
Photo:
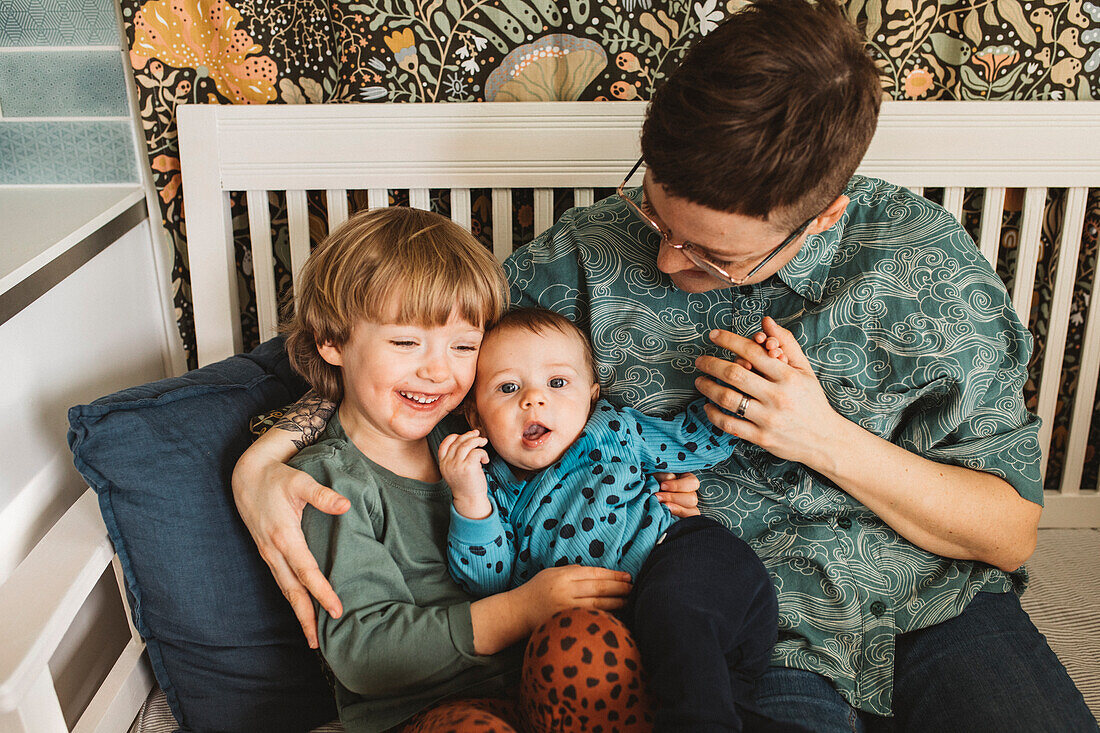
[
  {"x": 388, "y": 321},
  {"x": 569, "y": 484}
]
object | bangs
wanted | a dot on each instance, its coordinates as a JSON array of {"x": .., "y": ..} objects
[
  {"x": 430, "y": 299},
  {"x": 431, "y": 273}
]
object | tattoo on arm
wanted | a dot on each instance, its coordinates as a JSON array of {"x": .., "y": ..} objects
[{"x": 307, "y": 417}]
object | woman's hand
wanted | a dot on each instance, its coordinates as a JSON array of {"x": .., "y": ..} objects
[
  {"x": 947, "y": 510},
  {"x": 787, "y": 412},
  {"x": 679, "y": 492},
  {"x": 460, "y": 460},
  {"x": 270, "y": 497}
]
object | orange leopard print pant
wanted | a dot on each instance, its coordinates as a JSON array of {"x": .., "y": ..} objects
[{"x": 581, "y": 672}]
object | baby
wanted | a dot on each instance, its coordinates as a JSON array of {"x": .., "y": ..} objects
[{"x": 570, "y": 484}]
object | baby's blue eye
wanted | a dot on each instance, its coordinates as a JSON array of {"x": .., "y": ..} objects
[
  {"x": 509, "y": 387},
  {"x": 557, "y": 383}
]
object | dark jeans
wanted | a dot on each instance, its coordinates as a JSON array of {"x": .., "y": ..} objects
[
  {"x": 988, "y": 669},
  {"x": 703, "y": 613}
]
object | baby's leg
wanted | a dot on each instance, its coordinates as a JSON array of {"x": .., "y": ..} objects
[
  {"x": 582, "y": 672},
  {"x": 704, "y": 614}
]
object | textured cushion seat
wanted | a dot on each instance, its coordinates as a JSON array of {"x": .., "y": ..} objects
[{"x": 223, "y": 643}]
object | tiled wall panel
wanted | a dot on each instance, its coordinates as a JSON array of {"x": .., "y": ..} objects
[
  {"x": 58, "y": 23},
  {"x": 59, "y": 152},
  {"x": 62, "y": 84}
]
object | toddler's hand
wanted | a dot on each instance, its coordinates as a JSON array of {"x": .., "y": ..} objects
[
  {"x": 573, "y": 586},
  {"x": 460, "y": 460}
]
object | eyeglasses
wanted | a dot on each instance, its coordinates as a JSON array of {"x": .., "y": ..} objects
[{"x": 696, "y": 254}]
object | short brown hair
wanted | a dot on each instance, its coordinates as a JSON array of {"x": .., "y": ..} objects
[
  {"x": 396, "y": 265},
  {"x": 538, "y": 320},
  {"x": 769, "y": 113}
]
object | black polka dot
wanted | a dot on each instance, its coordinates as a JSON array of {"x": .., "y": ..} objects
[
  {"x": 608, "y": 479},
  {"x": 691, "y": 446},
  {"x": 550, "y": 523},
  {"x": 597, "y": 470},
  {"x": 567, "y": 531},
  {"x": 595, "y": 454},
  {"x": 611, "y": 518},
  {"x": 613, "y": 499},
  {"x": 477, "y": 550},
  {"x": 614, "y": 425},
  {"x": 595, "y": 548},
  {"x": 587, "y": 524},
  {"x": 587, "y": 492},
  {"x": 681, "y": 456}
]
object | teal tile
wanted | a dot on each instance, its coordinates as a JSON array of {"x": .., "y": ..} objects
[
  {"x": 58, "y": 23},
  {"x": 62, "y": 84},
  {"x": 67, "y": 152}
]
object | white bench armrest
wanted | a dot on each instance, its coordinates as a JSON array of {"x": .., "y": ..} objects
[{"x": 43, "y": 595}]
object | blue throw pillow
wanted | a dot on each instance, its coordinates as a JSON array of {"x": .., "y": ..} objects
[{"x": 223, "y": 642}]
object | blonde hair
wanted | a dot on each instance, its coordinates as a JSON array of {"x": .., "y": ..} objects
[{"x": 391, "y": 265}]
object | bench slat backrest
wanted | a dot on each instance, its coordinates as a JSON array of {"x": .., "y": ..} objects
[{"x": 290, "y": 150}]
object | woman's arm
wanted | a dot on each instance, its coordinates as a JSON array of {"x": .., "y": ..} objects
[
  {"x": 270, "y": 497},
  {"x": 948, "y": 510}
]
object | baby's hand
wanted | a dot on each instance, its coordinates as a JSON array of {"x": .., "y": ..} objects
[
  {"x": 460, "y": 460},
  {"x": 770, "y": 344}
]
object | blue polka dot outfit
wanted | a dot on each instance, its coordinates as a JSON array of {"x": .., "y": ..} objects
[{"x": 595, "y": 506}]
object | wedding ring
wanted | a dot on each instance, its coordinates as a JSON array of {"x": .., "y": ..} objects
[{"x": 741, "y": 407}]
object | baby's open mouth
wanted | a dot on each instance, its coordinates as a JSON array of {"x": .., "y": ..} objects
[{"x": 534, "y": 432}]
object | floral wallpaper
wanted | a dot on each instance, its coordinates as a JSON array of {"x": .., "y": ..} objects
[{"x": 371, "y": 51}]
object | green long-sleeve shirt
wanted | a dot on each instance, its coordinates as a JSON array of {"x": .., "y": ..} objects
[{"x": 405, "y": 639}]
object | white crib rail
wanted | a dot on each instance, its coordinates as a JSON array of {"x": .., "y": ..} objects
[
  {"x": 584, "y": 145},
  {"x": 38, "y": 603}
]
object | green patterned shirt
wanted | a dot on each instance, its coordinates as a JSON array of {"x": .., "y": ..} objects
[{"x": 912, "y": 335}]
